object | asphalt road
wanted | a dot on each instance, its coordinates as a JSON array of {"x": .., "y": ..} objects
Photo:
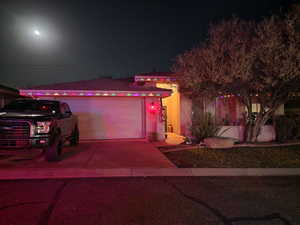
[{"x": 152, "y": 201}]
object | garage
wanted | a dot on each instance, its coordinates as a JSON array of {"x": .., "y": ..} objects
[
  {"x": 108, "y": 117},
  {"x": 110, "y": 108}
]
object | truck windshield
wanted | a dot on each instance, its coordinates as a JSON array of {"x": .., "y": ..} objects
[{"x": 42, "y": 106}]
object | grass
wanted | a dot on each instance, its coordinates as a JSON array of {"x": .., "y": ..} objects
[{"x": 243, "y": 157}]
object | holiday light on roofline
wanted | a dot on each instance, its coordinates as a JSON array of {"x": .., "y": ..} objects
[{"x": 64, "y": 93}]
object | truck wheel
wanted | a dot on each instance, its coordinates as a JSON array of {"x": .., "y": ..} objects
[
  {"x": 53, "y": 151},
  {"x": 75, "y": 137}
]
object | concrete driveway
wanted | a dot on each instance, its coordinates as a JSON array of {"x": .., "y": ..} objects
[{"x": 89, "y": 155}]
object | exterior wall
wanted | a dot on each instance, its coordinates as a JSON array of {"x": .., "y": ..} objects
[
  {"x": 267, "y": 133},
  {"x": 228, "y": 111},
  {"x": 185, "y": 115},
  {"x": 172, "y": 104},
  {"x": 155, "y": 126},
  {"x": 280, "y": 110}
]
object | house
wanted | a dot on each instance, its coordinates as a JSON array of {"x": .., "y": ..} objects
[
  {"x": 7, "y": 94},
  {"x": 146, "y": 106},
  {"x": 110, "y": 108}
]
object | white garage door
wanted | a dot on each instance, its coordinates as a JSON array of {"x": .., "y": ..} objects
[{"x": 108, "y": 117}]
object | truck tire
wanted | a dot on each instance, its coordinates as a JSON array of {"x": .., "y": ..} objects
[
  {"x": 53, "y": 151},
  {"x": 75, "y": 137}
]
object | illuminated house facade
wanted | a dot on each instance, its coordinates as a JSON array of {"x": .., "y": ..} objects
[
  {"x": 227, "y": 110},
  {"x": 110, "y": 108},
  {"x": 148, "y": 106}
]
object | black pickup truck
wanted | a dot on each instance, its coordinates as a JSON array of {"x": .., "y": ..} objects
[{"x": 31, "y": 124}]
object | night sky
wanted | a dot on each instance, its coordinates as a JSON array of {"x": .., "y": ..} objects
[{"x": 83, "y": 40}]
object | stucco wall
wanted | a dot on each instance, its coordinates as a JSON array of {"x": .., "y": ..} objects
[
  {"x": 267, "y": 133},
  {"x": 185, "y": 115},
  {"x": 154, "y": 124}
]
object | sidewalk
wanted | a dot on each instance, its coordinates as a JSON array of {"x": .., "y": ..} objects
[{"x": 75, "y": 173}]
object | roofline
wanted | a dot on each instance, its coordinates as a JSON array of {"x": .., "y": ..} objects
[
  {"x": 146, "y": 78},
  {"x": 94, "y": 93}
]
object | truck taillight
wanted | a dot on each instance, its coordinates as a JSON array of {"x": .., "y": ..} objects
[{"x": 43, "y": 127}]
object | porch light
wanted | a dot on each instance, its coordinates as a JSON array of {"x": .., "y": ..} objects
[{"x": 153, "y": 108}]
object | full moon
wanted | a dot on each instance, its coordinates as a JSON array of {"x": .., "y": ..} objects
[{"x": 37, "y": 33}]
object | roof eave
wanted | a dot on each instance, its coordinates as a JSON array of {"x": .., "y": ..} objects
[{"x": 95, "y": 93}]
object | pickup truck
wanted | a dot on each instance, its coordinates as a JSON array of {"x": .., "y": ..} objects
[{"x": 31, "y": 124}]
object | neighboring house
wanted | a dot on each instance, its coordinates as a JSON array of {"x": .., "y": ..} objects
[
  {"x": 7, "y": 94},
  {"x": 148, "y": 106}
]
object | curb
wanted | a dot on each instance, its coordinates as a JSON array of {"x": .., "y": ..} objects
[
  {"x": 75, "y": 173},
  {"x": 234, "y": 146}
]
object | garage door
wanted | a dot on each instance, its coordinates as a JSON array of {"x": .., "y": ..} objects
[{"x": 108, "y": 117}]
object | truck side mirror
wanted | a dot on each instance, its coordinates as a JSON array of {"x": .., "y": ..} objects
[{"x": 67, "y": 114}]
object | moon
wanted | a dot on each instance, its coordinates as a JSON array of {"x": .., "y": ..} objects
[{"x": 37, "y": 32}]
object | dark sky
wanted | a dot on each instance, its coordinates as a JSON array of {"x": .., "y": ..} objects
[{"x": 88, "y": 39}]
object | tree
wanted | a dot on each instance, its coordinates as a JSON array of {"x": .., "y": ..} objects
[{"x": 254, "y": 61}]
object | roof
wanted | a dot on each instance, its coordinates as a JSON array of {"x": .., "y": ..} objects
[
  {"x": 156, "y": 74},
  {"x": 101, "y": 84}
]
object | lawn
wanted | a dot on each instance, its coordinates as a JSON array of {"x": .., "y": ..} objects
[{"x": 242, "y": 157}]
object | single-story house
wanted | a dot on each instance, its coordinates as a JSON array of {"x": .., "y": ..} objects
[
  {"x": 7, "y": 94},
  {"x": 110, "y": 108},
  {"x": 146, "y": 106}
]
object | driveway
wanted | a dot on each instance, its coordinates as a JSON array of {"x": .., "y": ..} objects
[{"x": 101, "y": 154}]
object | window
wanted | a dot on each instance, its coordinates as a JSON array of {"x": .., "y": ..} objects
[{"x": 255, "y": 107}]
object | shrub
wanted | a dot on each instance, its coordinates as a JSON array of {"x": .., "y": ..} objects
[
  {"x": 287, "y": 128},
  {"x": 203, "y": 126}
]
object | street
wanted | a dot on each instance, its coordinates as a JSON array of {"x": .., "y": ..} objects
[{"x": 153, "y": 201}]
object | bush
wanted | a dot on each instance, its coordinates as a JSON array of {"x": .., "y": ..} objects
[
  {"x": 287, "y": 128},
  {"x": 203, "y": 126}
]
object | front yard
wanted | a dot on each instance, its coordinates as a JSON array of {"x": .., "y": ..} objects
[{"x": 242, "y": 157}]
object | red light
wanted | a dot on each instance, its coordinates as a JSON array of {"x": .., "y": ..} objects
[
  {"x": 44, "y": 107},
  {"x": 153, "y": 108}
]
